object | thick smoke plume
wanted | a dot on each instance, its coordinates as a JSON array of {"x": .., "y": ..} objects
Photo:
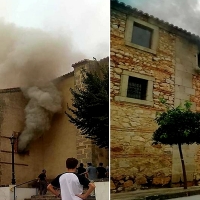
[
  {"x": 31, "y": 58},
  {"x": 44, "y": 102}
]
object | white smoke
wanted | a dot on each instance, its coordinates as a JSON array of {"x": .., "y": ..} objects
[
  {"x": 44, "y": 102},
  {"x": 31, "y": 58}
]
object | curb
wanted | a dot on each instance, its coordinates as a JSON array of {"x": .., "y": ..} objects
[
  {"x": 169, "y": 196},
  {"x": 157, "y": 194}
]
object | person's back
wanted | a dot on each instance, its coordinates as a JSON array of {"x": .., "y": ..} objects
[
  {"x": 81, "y": 169},
  {"x": 42, "y": 183},
  {"x": 101, "y": 171},
  {"x": 70, "y": 183},
  {"x": 42, "y": 176},
  {"x": 92, "y": 172}
]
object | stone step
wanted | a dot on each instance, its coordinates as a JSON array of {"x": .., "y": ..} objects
[
  {"x": 43, "y": 197},
  {"x": 50, "y": 197},
  {"x": 54, "y": 198}
]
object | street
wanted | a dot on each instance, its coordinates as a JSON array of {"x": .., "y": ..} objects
[{"x": 195, "y": 197}]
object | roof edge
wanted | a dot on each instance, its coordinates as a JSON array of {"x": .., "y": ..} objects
[
  {"x": 60, "y": 78},
  {"x": 87, "y": 61},
  {"x": 127, "y": 9}
]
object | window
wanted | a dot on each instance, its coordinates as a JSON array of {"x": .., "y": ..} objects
[
  {"x": 136, "y": 88},
  {"x": 141, "y": 35},
  {"x": 198, "y": 59}
]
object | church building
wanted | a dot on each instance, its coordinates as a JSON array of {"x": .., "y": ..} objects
[{"x": 51, "y": 149}]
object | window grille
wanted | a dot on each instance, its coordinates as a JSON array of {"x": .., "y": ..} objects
[{"x": 137, "y": 88}]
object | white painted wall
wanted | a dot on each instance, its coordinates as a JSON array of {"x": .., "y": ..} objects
[
  {"x": 102, "y": 190},
  {"x": 7, "y": 193},
  {"x": 4, "y": 193},
  {"x": 22, "y": 193}
]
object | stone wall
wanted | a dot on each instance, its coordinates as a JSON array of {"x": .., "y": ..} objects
[
  {"x": 196, "y": 99},
  {"x": 86, "y": 151},
  {"x": 84, "y": 145},
  {"x": 186, "y": 63},
  {"x": 134, "y": 160},
  {"x": 175, "y": 76},
  {"x": 12, "y": 119},
  {"x": 59, "y": 142},
  {"x": 47, "y": 152}
]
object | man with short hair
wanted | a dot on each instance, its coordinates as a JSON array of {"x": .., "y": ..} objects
[
  {"x": 101, "y": 171},
  {"x": 81, "y": 170},
  {"x": 91, "y": 172},
  {"x": 92, "y": 175},
  {"x": 70, "y": 183}
]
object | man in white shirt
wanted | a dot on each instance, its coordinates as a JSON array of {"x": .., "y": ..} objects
[{"x": 70, "y": 183}]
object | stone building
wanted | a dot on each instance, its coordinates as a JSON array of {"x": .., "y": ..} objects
[
  {"x": 49, "y": 151},
  {"x": 150, "y": 59}
]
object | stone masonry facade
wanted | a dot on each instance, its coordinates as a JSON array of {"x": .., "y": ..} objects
[
  {"x": 8, "y": 99},
  {"x": 86, "y": 151},
  {"x": 170, "y": 68}
]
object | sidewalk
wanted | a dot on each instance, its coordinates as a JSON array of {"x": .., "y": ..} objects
[{"x": 156, "y": 194}]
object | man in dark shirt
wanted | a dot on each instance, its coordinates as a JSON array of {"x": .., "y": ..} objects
[
  {"x": 70, "y": 183},
  {"x": 42, "y": 182},
  {"x": 81, "y": 170},
  {"x": 101, "y": 171}
]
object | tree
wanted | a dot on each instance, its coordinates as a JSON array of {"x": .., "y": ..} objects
[
  {"x": 90, "y": 112},
  {"x": 178, "y": 126}
]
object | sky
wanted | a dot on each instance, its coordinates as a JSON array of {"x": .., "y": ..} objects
[
  {"x": 41, "y": 39},
  {"x": 86, "y": 21},
  {"x": 182, "y": 13}
]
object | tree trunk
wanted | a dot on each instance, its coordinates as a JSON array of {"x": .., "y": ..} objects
[{"x": 183, "y": 166}]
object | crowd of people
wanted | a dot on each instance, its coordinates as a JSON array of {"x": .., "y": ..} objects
[
  {"x": 70, "y": 184},
  {"x": 93, "y": 173}
]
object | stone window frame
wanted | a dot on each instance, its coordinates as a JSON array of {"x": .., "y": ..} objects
[
  {"x": 128, "y": 34},
  {"x": 124, "y": 86},
  {"x": 198, "y": 60}
]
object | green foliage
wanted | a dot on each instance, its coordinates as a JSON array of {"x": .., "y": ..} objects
[
  {"x": 178, "y": 126},
  {"x": 91, "y": 107},
  {"x": 162, "y": 100}
]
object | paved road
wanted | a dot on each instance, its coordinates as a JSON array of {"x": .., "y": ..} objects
[
  {"x": 142, "y": 194},
  {"x": 195, "y": 197}
]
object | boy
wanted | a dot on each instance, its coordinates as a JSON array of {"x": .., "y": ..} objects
[{"x": 70, "y": 183}]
